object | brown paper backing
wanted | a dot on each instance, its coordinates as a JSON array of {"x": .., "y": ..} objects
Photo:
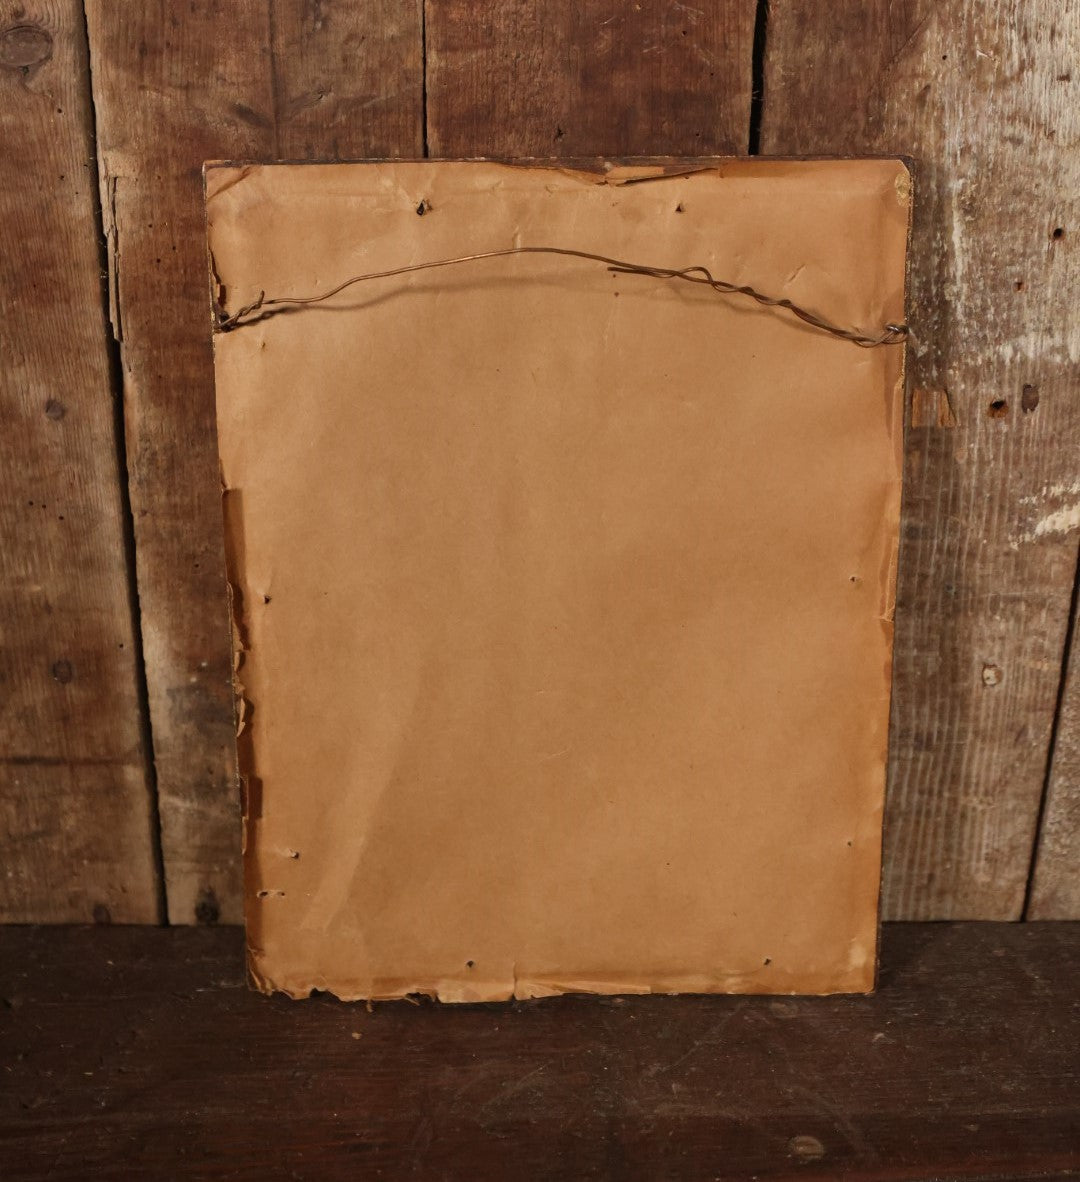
[{"x": 562, "y": 600}]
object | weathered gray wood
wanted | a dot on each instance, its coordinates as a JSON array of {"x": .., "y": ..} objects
[
  {"x": 76, "y": 826},
  {"x": 595, "y": 78},
  {"x": 177, "y": 85},
  {"x": 1055, "y": 889},
  {"x": 984, "y": 97}
]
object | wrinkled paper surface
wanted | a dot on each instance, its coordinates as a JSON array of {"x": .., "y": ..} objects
[{"x": 562, "y": 600}]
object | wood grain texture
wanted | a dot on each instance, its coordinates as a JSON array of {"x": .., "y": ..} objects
[
  {"x": 1055, "y": 888},
  {"x": 588, "y": 79},
  {"x": 75, "y": 807},
  {"x": 139, "y": 1053},
  {"x": 984, "y": 97},
  {"x": 175, "y": 86}
]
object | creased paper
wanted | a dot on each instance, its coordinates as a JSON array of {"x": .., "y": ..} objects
[{"x": 562, "y": 599}]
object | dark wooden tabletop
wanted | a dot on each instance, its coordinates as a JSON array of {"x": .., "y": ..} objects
[{"x": 139, "y": 1052}]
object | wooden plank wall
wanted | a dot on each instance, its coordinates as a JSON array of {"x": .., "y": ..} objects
[
  {"x": 599, "y": 77},
  {"x": 981, "y": 96},
  {"x": 76, "y": 810},
  {"x": 175, "y": 86}
]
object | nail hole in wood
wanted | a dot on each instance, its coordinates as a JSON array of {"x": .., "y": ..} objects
[{"x": 991, "y": 675}]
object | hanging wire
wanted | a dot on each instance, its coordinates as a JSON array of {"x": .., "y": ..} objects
[{"x": 263, "y": 307}]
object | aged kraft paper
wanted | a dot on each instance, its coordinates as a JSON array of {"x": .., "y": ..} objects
[{"x": 562, "y": 599}]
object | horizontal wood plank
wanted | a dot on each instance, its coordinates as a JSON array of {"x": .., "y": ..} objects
[
  {"x": 76, "y": 812},
  {"x": 984, "y": 97},
  {"x": 140, "y": 1053},
  {"x": 175, "y": 87}
]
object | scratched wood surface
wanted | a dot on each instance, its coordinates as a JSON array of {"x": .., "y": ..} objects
[
  {"x": 984, "y": 96},
  {"x": 75, "y": 804},
  {"x": 598, "y": 78},
  {"x": 175, "y": 86},
  {"x": 1055, "y": 889},
  {"x": 139, "y": 1053}
]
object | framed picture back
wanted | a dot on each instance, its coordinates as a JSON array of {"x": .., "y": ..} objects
[{"x": 562, "y": 572}]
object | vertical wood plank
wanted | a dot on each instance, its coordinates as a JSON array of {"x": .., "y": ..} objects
[
  {"x": 984, "y": 96},
  {"x": 175, "y": 86},
  {"x": 76, "y": 815},
  {"x": 1055, "y": 888},
  {"x": 596, "y": 78}
]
